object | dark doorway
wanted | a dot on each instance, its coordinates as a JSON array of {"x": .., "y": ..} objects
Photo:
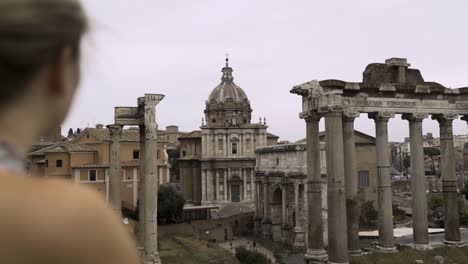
[
  {"x": 235, "y": 193},
  {"x": 225, "y": 234}
]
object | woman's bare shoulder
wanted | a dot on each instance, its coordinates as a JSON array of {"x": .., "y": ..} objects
[{"x": 45, "y": 215}]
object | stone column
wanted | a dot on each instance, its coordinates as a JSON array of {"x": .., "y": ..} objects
[
  {"x": 217, "y": 185},
  {"x": 298, "y": 245},
  {"x": 227, "y": 185},
  {"x": 449, "y": 179},
  {"x": 266, "y": 222},
  {"x": 203, "y": 183},
  {"x": 337, "y": 229},
  {"x": 226, "y": 176},
  {"x": 253, "y": 190},
  {"x": 283, "y": 204},
  {"x": 141, "y": 189},
  {"x": 315, "y": 251},
  {"x": 209, "y": 185},
  {"x": 244, "y": 185},
  {"x": 151, "y": 178},
  {"x": 351, "y": 183},
  {"x": 418, "y": 181},
  {"x": 115, "y": 171},
  {"x": 384, "y": 184}
]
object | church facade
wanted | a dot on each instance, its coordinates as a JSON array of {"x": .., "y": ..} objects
[{"x": 217, "y": 163}]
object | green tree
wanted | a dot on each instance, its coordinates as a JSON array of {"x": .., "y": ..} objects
[
  {"x": 432, "y": 152},
  {"x": 465, "y": 190},
  {"x": 174, "y": 155},
  {"x": 170, "y": 205}
]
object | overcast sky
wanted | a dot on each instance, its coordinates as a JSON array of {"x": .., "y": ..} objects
[{"x": 177, "y": 48}]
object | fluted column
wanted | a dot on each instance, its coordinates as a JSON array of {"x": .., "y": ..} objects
[
  {"x": 315, "y": 246},
  {"x": 449, "y": 178},
  {"x": 115, "y": 171},
  {"x": 384, "y": 184},
  {"x": 337, "y": 229},
  {"x": 418, "y": 181},
  {"x": 351, "y": 183}
]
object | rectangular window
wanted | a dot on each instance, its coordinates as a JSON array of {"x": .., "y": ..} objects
[
  {"x": 234, "y": 149},
  {"x": 59, "y": 164},
  {"x": 47, "y": 163},
  {"x": 363, "y": 179},
  {"x": 92, "y": 175},
  {"x": 136, "y": 154}
]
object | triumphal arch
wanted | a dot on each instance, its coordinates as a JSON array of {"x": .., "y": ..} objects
[{"x": 387, "y": 89}]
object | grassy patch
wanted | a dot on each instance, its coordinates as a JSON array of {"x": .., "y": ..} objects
[
  {"x": 182, "y": 250},
  {"x": 451, "y": 255}
]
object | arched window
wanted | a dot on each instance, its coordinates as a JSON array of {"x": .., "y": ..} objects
[{"x": 234, "y": 148}]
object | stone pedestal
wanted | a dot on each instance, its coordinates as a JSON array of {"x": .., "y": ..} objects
[
  {"x": 298, "y": 245},
  {"x": 258, "y": 226},
  {"x": 149, "y": 258},
  {"x": 266, "y": 229}
]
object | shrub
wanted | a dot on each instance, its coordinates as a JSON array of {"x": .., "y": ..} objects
[
  {"x": 368, "y": 215},
  {"x": 250, "y": 257}
]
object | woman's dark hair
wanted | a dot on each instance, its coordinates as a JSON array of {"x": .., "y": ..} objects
[{"x": 33, "y": 33}]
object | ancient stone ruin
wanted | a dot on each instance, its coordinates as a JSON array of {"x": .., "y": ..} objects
[
  {"x": 144, "y": 116},
  {"x": 387, "y": 89}
]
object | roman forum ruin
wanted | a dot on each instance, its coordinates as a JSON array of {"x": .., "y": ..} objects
[
  {"x": 144, "y": 116},
  {"x": 387, "y": 89}
]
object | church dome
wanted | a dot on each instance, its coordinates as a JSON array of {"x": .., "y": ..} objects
[{"x": 227, "y": 90}]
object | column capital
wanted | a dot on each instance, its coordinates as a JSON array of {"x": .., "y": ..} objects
[
  {"x": 115, "y": 132},
  {"x": 414, "y": 117},
  {"x": 381, "y": 116},
  {"x": 445, "y": 117},
  {"x": 349, "y": 115},
  {"x": 310, "y": 116}
]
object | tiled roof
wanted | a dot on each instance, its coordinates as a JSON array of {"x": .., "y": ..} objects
[
  {"x": 61, "y": 147},
  {"x": 193, "y": 134},
  {"x": 128, "y": 135},
  {"x": 232, "y": 209}
]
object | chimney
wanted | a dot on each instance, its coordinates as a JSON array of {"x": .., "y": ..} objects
[
  {"x": 402, "y": 64},
  {"x": 99, "y": 126}
]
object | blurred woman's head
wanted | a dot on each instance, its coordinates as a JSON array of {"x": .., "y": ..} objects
[{"x": 39, "y": 62}]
